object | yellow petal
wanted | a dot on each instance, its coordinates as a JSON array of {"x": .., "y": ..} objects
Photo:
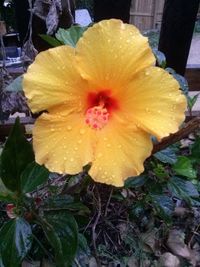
[
  {"x": 52, "y": 79},
  {"x": 111, "y": 52},
  {"x": 119, "y": 154},
  {"x": 63, "y": 142},
  {"x": 153, "y": 100}
]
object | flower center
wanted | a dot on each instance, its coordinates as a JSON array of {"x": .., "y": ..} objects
[
  {"x": 97, "y": 117},
  {"x": 100, "y": 106}
]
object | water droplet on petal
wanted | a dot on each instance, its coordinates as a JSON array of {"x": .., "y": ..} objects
[
  {"x": 71, "y": 159},
  {"x": 69, "y": 128},
  {"x": 108, "y": 145},
  {"x": 82, "y": 131}
]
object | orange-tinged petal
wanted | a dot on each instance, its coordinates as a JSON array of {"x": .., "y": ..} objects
[
  {"x": 53, "y": 79},
  {"x": 120, "y": 153},
  {"x": 63, "y": 142},
  {"x": 111, "y": 52},
  {"x": 154, "y": 102}
]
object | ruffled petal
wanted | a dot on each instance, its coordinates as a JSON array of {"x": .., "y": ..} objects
[
  {"x": 53, "y": 79},
  {"x": 63, "y": 142},
  {"x": 120, "y": 153},
  {"x": 154, "y": 102},
  {"x": 111, "y": 52}
]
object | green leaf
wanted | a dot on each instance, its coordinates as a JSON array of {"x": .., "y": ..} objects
[
  {"x": 184, "y": 167},
  {"x": 16, "y": 155},
  {"x": 160, "y": 58},
  {"x": 50, "y": 40},
  {"x": 70, "y": 36},
  {"x": 163, "y": 205},
  {"x": 182, "y": 189},
  {"x": 192, "y": 100},
  {"x": 182, "y": 82},
  {"x": 135, "y": 181},
  {"x": 16, "y": 240},
  {"x": 65, "y": 202},
  {"x": 33, "y": 176},
  {"x": 83, "y": 254},
  {"x": 5, "y": 194},
  {"x": 61, "y": 231},
  {"x": 16, "y": 85},
  {"x": 195, "y": 151},
  {"x": 166, "y": 156}
]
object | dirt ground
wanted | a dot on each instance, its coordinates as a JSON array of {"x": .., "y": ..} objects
[{"x": 194, "y": 55}]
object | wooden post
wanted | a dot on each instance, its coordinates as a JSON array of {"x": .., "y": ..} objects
[
  {"x": 176, "y": 32},
  {"x": 107, "y": 9}
]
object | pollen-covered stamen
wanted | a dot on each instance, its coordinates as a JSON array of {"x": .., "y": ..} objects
[{"x": 97, "y": 117}]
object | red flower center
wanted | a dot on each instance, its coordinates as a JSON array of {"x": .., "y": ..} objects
[{"x": 100, "y": 107}]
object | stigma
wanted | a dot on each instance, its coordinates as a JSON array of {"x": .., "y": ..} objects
[{"x": 97, "y": 117}]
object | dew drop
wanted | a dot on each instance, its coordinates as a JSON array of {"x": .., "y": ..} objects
[
  {"x": 82, "y": 131},
  {"x": 99, "y": 155},
  {"x": 119, "y": 146},
  {"x": 108, "y": 145},
  {"x": 69, "y": 128},
  {"x": 52, "y": 130},
  {"x": 79, "y": 141},
  {"x": 65, "y": 158},
  {"x": 71, "y": 159},
  {"x": 147, "y": 73},
  {"x": 76, "y": 148}
]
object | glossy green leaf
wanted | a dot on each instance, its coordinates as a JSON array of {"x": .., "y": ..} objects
[
  {"x": 16, "y": 85},
  {"x": 16, "y": 240},
  {"x": 65, "y": 202},
  {"x": 61, "y": 231},
  {"x": 195, "y": 151},
  {"x": 33, "y": 176},
  {"x": 5, "y": 194},
  {"x": 192, "y": 100},
  {"x": 70, "y": 36},
  {"x": 182, "y": 189},
  {"x": 166, "y": 156},
  {"x": 50, "y": 40},
  {"x": 184, "y": 167},
  {"x": 83, "y": 253},
  {"x": 16, "y": 155},
  {"x": 160, "y": 58},
  {"x": 163, "y": 205},
  {"x": 135, "y": 181}
]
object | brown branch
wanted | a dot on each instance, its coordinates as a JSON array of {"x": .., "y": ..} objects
[{"x": 188, "y": 128}]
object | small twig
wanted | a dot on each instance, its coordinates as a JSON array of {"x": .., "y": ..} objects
[
  {"x": 188, "y": 128},
  {"x": 94, "y": 227},
  {"x": 192, "y": 237},
  {"x": 108, "y": 202}
]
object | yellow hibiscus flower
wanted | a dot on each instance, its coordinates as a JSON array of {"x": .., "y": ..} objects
[{"x": 105, "y": 98}]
